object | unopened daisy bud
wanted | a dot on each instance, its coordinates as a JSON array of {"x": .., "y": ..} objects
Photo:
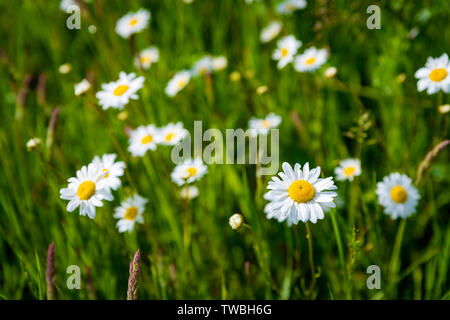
[
  {"x": 445, "y": 108},
  {"x": 219, "y": 63},
  {"x": 81, "y": 87},
  {"x": 133, "y": 280},
  {"x": 401, "y": 78},
  {"x": 33, "y": 143},
  {"x": 92, "y": 29},
  {"x": 189, "y": 192},
  {"x": 330, "y": 72},
  {"x": 235, "y": 76},
  {"x": 236, "y": 221},
  {"x": 65, "y": 68},
  {"x": 50, "y": 272},
  {"x": 122, "y": 115},
  {"x": 261, "y": 90}
]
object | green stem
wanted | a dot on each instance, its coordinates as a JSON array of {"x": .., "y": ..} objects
[
  {"x": 311, "y": 259},
  {"x": 394, "y": 264},
  {"x": 337, "y": 235}
]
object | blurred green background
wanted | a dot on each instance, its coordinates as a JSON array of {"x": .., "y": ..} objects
[{"x": 370, "y": 110}]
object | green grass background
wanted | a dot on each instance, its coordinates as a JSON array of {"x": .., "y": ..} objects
[{"x": 188, "y": 249}]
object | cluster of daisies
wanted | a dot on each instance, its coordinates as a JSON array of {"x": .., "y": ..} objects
[
  {"x": 204, "y": 66},
  {"x": 94, "y": 183},
  {"x": 298, "y": 194}
]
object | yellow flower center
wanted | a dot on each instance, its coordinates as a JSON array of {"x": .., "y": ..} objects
[
  {"x": 438, "y": 75},
  {"x": 349, "y": 171},
  {"x": 265, "y": 123},
  {"x": 191, "y": 171},
  {"x": 310, "y": 60},
  {"x": 145, "y": 59},
  {"x": 147, "y": 139},
  {"x": 170, "y": 136},
  {"x": 133, "y": 21},
  {"x": 131, "y": 213},
  {"x": 284, "y": 52},
  {"x": 301, "y": 191},
  {"x": 399, "y": 194},
  {"x": 107, "y": 173},
  {"x": 86, "y": 190},
  {"x": 120, "y": 90},
  {"x": 181, "y": 84}
]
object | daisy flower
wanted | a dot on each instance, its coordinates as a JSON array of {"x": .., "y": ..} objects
[
  {"x": 178, "y": 82},
  {"x": 348, "y": 169},
  {"x": 147, "y": 57},
  {"x": 219, "y": 63},
  {"x": 397, "y": 195},
  {"x": 236, "y": 221},
  {"x": 188, "y": 171},
  {"x": 300, "y": 195},
  {"x": 81, "y": 87},
  {"x": 143, "y": 138},
  {"x": 130, "y": 212},
  {"x": 435, "y": 75},
  {"x": 203, "y": 66},
  {"x": 310, "y": 60},
  {"x": 116, "y": 94},
  {"x": 270, "y": 32},
  {"x": 172, "y": 134},
  {"x": 286, "y": 49},
  {"x": 289, "y": 6},
  {"x": 189, "y": 192},
  {"x": 111, "y": 171},
  {"x": 262, "y": 126},
  {"x": 86, "y": 190},
  {"x": 132, "y": 22}
]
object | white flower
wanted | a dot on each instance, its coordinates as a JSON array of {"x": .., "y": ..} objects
[
  {"x": 310, "y": 60},
  {"x": 289, "y": 6},
  {"x": 147, "y": 57},
  {"x": 132, "y": 22},
  {"x": 130, "y": 212},
  {"x": 300, "y": 195},
  {"x": 111, "y": 171},
  {"x": 435, "y": 75},
  {"x": 33, "y": 143},
  {"x": 65, "y": 68},
  {"x": 397, "y": 195},
  {"x": 143, "y": 138},
  {"x": 116, "y": 94},
  {"x": 172, "y": 134},
  {"x": 219, "y": 63},
  {"x": 86, "y": 190},
  {"x": 82, "y": 87},
  {"x": 64, "y": 5},
  {"x": 236, "y": 221},
  {"x": 286, "y": 49},
  {"x": 270, "y": 32},
  {"x": 189, "y": 192},
  {"x": 348, "y": 169},
  {"x": 188, "y": 171},
  {"x": 330, "y": 72},
  {"x": 262, "y": 126},
  {"x": 178, "y": 82},
  {"x": 203, "y": 66}
]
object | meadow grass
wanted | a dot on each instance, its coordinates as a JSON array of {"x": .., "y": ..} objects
[{"x": 188, "y": 250}]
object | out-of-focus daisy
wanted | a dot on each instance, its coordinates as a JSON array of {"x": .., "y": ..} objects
[
  {"x": 132, "y": 22},
  {"x": 81, "y": 87},
  {"x": 65, "y": 68},
  {"x": 445, "y": 108},
  {"x": 286, "y": 49},
  {"x": 203, "y": 66},
  {"x": 33, "y": 143},
  {"x": 219, "y": 63},
  {"x": 397, "y": 195},
  {"x": 86, "y": 190},
  {"x": 262, "y": 126},
  {"x": 130, "y": 212},
  {"x": 178, "y": 82},
  {"x": 348, "y": 169},
  {"x": 171, "y": 134},
  {"x": 330, "y": 72},
  {"x": 147, "y": 57},
  {"x": 189, "y": 192},
  {"x": 435, "y": 75},
  {"x": 143, "y": 138},
  {"x": 64, "y": 5},
  {"x": 111, "y": 171},
  {"x": 289, "y": 6},
  {"x": 188, "y": 171},
  {"x": 236, "y": 221},
  {"x": 270, "y": 32},
  {"x": 300, "y": 195},
  {"x": 310, "y": 60},
  {"x": 116, "y": 94}
]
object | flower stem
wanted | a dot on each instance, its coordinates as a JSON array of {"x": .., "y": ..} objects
[{"x": 311, "y": 260}]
